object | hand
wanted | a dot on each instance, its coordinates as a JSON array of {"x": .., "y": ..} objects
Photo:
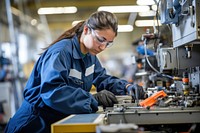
[
  {"x": 105, "y": 98},
  {"x": 136, "y": 91}
]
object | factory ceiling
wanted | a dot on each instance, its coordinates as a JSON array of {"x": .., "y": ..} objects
[{"x": 60, "y": 22}]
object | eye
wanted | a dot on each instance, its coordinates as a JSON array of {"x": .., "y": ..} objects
[{"x": 101, "y": 40}]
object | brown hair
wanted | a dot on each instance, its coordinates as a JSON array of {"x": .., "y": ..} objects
[{"x": 98, "y": 21}]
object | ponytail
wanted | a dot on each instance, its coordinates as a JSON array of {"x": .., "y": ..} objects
[{"x": 76, "y": 30}]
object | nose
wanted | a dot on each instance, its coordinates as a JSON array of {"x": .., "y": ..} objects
[{"x": 102, "y": 46}]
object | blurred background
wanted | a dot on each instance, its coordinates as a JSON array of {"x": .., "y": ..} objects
[{"x": 27, "y": 26}]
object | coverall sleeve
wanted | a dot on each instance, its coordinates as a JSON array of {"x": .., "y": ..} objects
[
  {"x": 55, "y": 90},
  {"x": 108, "y": 82}
]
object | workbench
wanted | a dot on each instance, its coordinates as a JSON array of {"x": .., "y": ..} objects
[{"x": 78, "y": 123}]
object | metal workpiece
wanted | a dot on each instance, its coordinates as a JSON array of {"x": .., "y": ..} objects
[
  {"x": 188, "y": 29},
  {"x": 185, "y": 20},
  {"x": 166, "y": 60},
  {"x": 142, "y": 116}
]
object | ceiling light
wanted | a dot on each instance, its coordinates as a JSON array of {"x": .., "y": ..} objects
[
  {"x": 145, "y": 2},
  {"x": 125, "y": 28},
  {"x": 33, "y": 22},
  {"x": 147, "y": 23},
  {"x": 57, "y": 10},
  {"x": 124, "y": 9},
  {"x": 147, "y": 14},
  {"x": 121, "y": 28},
  {"x": 154, "y": 7}
]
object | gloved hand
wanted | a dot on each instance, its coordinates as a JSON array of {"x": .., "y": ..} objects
[
  {"x": 136, "y": 91},
  {"x": 105, "y": 98}
]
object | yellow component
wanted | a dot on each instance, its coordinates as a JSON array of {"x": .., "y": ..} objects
[
  {"x": 186, "y": 92},
  {"x": 80, "y": 123},
  {"x": 75, "y": 128},
  {"x": 177, "y": 78},
  {"x": 93, "y": 90}
]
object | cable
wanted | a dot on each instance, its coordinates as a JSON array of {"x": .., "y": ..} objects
[
  {"x": 170, "y": 56},
  {"x": 145, "y": 51},
  {"x": 158, "y": 26}
]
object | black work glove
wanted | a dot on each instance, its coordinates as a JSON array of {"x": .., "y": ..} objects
[
  {"x": 136, "y": 91},
  {"x": 105, "y": 98}
]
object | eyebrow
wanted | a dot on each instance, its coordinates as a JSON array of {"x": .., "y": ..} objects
[
  {"x": 99, "y": 35},
  {"x": 103, "y": 38}
]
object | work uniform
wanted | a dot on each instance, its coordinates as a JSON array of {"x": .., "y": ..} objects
[{"x": 59, "y": 85}]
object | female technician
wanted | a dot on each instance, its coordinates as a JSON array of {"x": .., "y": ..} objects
[{"x": 64, "y": 74}]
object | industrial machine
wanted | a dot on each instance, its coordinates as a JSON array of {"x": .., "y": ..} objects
[{"x": 173, "y": 104}]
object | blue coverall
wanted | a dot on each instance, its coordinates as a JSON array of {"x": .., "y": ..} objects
[{"x": 59, "y": 85}]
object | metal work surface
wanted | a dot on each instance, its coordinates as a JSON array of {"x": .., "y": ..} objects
[{"x": 155, "y": 116}]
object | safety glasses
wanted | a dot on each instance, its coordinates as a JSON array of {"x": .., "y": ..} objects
[{"x": 99, "y": 40}]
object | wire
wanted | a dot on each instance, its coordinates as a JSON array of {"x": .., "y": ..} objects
[
  {"x": 158, "y": 26},
  {"x": 145, "y": 50},
  {"x": 168, "y": 76},
  {"x": 170, "y": 56}
]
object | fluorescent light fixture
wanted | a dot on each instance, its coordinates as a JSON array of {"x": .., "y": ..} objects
[
  {"x": 15, "y": 11},
  {"x": 57, "y": 10},
  {"x": 145, "y": 2},
  {"x": 147, "y": 14},
  {"x": 121, "y": 28},
  {"x": 124, "y": 9},
  {"x": 147, "y": 23},
  {"x": 125, "y": 28},
  {"x": 154, "y": 7},
  {"x": 23, "y": 48},
  {"x": 33, "y": 22}
]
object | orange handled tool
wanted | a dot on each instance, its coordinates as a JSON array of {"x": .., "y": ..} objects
[{"x": 152, "y": 99}]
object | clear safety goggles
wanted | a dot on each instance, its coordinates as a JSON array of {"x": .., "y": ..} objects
[{"x": 100, "y": 40}]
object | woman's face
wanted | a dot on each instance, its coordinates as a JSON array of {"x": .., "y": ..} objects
[{"x": 95, "y": 41}]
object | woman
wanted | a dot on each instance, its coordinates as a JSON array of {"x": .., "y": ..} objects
[{"x": 64, "y": 74}]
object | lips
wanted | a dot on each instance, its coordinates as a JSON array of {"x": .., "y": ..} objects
[{"x": 95, "y": 52}]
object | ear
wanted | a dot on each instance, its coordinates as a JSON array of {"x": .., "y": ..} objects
[{"x": 86, "y": 30}]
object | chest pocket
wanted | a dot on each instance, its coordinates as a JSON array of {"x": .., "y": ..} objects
[
  {"x": 75, "y": 78},
  {"x": 89, "y": 73},
  {"x": 89, "y": 70},
  {"x": 78, "y": 79}
]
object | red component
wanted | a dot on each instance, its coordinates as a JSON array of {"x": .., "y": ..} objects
[
  {"x": 152, "y": 99},
  {"x": 185, "y": 80}
]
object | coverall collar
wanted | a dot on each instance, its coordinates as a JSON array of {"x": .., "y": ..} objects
[{"x": 76, "y": 48}]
